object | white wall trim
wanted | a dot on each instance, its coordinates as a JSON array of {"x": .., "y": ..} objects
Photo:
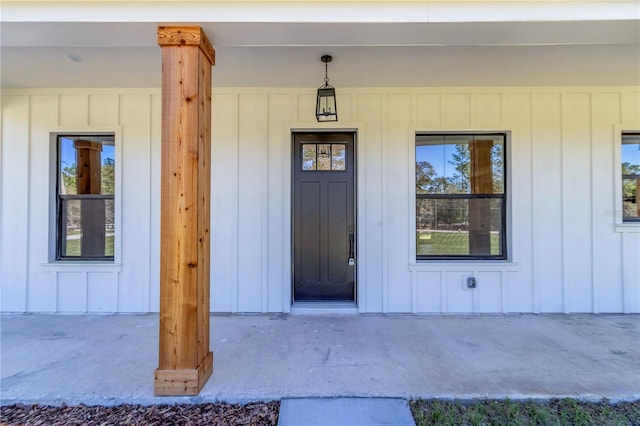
[
  {"x": 358, "y": 128},
  {"x": 462, "y": 265},
  {"x": 89, "y": 266},
  {"x": 511, "y": 222},
  {"x": 51, "y": 262},
  {"x": 620, "y": 225}
]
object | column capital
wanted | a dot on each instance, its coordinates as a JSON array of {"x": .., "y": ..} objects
[
  {"x": 83, "y": 144},
  {"x": 187, "y": 36}
]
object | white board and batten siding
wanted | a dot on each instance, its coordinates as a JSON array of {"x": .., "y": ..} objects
[
  {"x": 30, "y": 281},
  {"x": 567, "y": 253}
]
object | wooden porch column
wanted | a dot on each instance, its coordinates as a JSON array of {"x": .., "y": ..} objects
[
  {"x": 185, "y": 361},
  {"x": 479, "y": 209},
  {"x": 92, "y": 212}
]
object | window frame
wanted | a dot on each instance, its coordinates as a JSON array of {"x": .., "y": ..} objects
[
  {"x": 622, "y": 225},
  {"x": 55, "y": 205},
  {"x": 505, "y": 245}
]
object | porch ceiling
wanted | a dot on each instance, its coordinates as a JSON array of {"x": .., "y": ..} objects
[{"x": 366, "y": 54}]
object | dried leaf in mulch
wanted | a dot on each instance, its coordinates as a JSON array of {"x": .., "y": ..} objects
[{"x": 222, "y": 414}]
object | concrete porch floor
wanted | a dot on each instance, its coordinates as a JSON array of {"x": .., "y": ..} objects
[{"x": 110, "y": 359}]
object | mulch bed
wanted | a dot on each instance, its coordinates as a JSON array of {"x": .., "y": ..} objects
[{"x": 254, "y": 414}]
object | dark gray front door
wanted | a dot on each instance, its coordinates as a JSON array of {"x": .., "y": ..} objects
[{"x": 323, "y": 217}]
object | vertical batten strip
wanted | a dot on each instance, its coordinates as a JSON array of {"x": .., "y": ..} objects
[
  {"x": 85, "y": 278},
  {"x": 566, "y": 303},
  {"x": 361, "y": 212},
  {"x": 116, "y": 283},
  {"x": 595, "y": 308},
  {"x": 592, "y": 284},
  {"x": 264, "y": 217},
  {"x": 414, "y": 293},
  {"x": 625, "y": 276},
  {"x": 385, "y": 219},
  {"x": 150, "y": 221},
  {"x": 236, "y": 220},
  {"x": 444, "y": 308},
  {"x": 535, "y": 289},
  {"x": 154, "y": 240},
  {"x": 57, "y": 283},
  {"x": 185, "y": 361},
  {"x": 504, "y": 291},
  {"x": 28, "y": 200}
]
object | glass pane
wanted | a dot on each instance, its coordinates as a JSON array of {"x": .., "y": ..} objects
[
  {"x": 453, "y": 227},
  {"x": 71, "y": 231},
  {"x": 459, "y": 164},
  {"x": 497, "y": 164},
  {"x": 308, "y": 156},
  {"x": 67, "y": 166},
  {"x": 338, "y": 154},
  {"x": 98, "y": 160},
  {"x": 630, "y": 198},
  {"x": 631, "y": 154},
  {"x": 108, "y": 169},
  {"x": 324, "y": 157},
  {"x": 109, "y": 227},
  {"x": 87, "y": 228}
]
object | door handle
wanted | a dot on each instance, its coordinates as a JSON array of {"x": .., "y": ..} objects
[{"x": 352, "y": 259}]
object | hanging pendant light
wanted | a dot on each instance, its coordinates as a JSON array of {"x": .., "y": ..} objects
[{"x": 326, "y": 99}]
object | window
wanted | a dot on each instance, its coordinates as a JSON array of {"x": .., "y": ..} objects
[
  {"x": 85, "y": 170},
  {"x": 630, "y": 155},
  {"x": 460, "y": 196},
  {"x": 323, "y": 156}
]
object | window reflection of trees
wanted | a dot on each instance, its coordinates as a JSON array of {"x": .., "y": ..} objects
[
  {"x": 441, "y": 202},
  {"x": 98, "y": 204}
]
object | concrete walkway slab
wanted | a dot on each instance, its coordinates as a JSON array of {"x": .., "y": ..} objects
[
  {"x": 345, "y": 412},
  {"x": 110, "y": 359}
]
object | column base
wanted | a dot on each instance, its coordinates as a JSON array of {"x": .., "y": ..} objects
[{"x": 183, "y": 382}]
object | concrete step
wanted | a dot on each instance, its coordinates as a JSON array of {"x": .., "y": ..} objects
[{"x": 345, "y": 412}]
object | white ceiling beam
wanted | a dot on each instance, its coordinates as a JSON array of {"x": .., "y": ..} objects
[
  {"x": 52, "y": 34},
  {"x": 315, "y": 11}
]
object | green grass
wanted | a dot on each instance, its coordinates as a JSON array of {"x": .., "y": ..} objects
[
  {"x": 73, "y": 247},
  {"x": 433, "y": 243},
  {"x": 559, "y": 412}
]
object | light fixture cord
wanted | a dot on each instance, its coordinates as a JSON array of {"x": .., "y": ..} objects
[{"x": 326, "y": 76}]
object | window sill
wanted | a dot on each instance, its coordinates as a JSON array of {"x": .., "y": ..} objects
[
  {"x": 463, "y": 265},
  {"x": 86, "y": 266},
  {"x": 628, "y": 227}
]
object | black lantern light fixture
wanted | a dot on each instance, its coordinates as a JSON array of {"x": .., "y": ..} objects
[{"x": 326, "y": 101}]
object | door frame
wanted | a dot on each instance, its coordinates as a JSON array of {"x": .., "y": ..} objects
[
  {"x": 353, "y": 135},
  {"x": 312, "y": 127}
]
